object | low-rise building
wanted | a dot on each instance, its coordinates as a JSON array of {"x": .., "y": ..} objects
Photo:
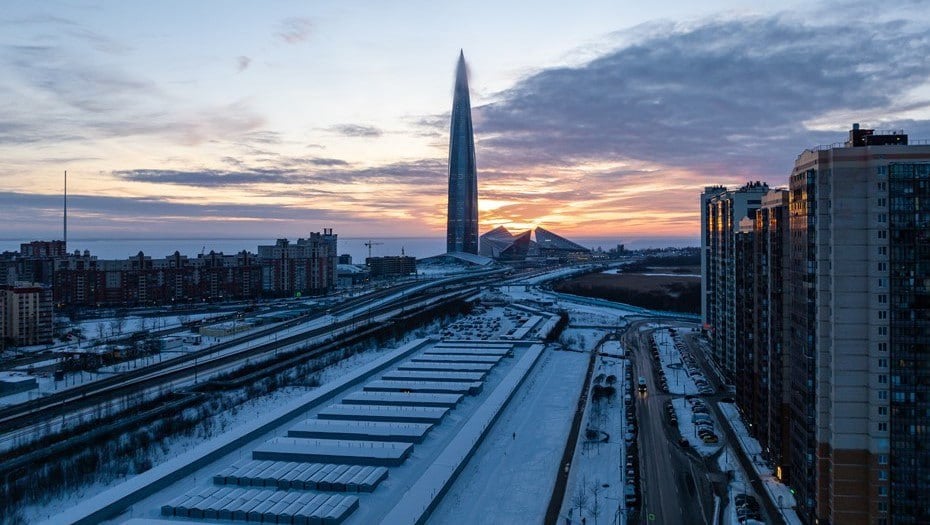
[{"x": 391, "y": 266}]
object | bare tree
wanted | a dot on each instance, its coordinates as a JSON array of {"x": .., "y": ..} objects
[
  {"x": 580, "y": 499},
  {"x": 595, "y": 507}
]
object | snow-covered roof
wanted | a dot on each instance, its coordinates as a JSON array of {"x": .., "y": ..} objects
[{"x": 349, "y": 268}]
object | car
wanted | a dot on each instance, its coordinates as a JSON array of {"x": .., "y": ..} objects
[{"x": 745, "y": 500}]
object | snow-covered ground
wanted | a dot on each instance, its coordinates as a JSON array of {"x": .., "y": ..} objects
[
  {"x": 510, "y": 477},
  {"x": 612, "y": 348},
  {"x": 596, "y": 480},
  {"x": 780, "y": 493},
  {"x": 738, "y": 484},
  {"x": 219, "y": 423},
  {"x": 679, "y": 382}
]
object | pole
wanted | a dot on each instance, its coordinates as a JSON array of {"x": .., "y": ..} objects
[{"x": 65, "y": 217}]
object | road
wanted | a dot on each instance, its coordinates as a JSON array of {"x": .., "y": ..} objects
[
  {"x": 674, "y": 486},
  {"x": 769, "y": 507}
]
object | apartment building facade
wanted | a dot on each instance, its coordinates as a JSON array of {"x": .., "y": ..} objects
[
  {"x": 834, "y": 372},
  {"x": 25, "y": 314},
  {"x": 724, "y": 211}
]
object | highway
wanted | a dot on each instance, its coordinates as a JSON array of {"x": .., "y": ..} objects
[{"x": 674, "y": 485}]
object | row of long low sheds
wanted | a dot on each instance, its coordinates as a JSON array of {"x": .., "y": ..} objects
[{"x": 320, "y": 470}]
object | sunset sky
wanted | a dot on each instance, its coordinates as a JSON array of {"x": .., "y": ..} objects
[{"x": 602, "y": 118}]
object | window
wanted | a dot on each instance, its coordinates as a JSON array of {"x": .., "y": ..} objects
[
  {"x": 883, "y": 411},
  {"x": 881, "y": 201},
  {"x": 882, "y": 427},
  {"x": 882, "y": 490},
  {"x": 883, "y": 314},
  {"x": 882, "y": 234},
  {"x": 882, "y": 217},
  {"x": 882, "y": 298},
  {"x": 882, "y": 267},
  {"x": 883, "y": 475},
  {"x": 883, "y": 395},
  {"x": 882, "y": 330},
  {"x": 883, "y": 362},
  {"x": 882, "y": 379},
  {"x": 883, "y": 459},
  {"x": 882, "y": 347}
]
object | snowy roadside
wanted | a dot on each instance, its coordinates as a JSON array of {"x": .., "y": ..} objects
[
  {"x": 679, "y": 381},
  {"x": 778, "y": 491}
]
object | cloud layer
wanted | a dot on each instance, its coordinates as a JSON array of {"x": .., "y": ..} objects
[
  {"x": 617, "y": 145},
  {"x": 729, "y": 95}
]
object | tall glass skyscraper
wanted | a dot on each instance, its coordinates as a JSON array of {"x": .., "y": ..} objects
[{"x": 462, "y": 226}]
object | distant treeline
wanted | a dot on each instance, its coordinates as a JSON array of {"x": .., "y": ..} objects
[{"x": 673, "y": 260}]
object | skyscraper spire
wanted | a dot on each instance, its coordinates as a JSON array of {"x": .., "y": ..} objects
[{"x": 462, "y": 225}]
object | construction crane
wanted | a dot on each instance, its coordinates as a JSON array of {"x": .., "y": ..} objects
[{"x": 370, "y": 244}]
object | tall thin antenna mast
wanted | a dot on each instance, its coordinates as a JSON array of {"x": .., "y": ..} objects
[{"x": 66, "y": 211}]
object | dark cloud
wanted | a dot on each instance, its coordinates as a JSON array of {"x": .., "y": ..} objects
[
  {"x": 23, "y": 215},
  {"x": 211, "y": 178},
  {"x": 327, "y": 162},
  {"x": 242, "y": 63},
  {"x": 356, "y": 130},
  {"x": 295, "y": 30},
  {"x": 726, "y": 94},
  {"x": 292, "y": 171}
]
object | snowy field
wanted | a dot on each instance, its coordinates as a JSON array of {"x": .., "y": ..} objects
[{"x": 512, "y": 474}]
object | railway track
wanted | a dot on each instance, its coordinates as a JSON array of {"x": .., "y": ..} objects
[{"x": 211, "y": 360}]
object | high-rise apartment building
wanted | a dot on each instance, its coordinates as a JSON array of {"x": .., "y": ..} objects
[
  {"x": 858, "y": 417},
  {"x": 834, "y": 371},
  {"x": 462, "y": 219},
  {"x": 767, "y": 413},
  {"x": 724, "y": 210}
]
